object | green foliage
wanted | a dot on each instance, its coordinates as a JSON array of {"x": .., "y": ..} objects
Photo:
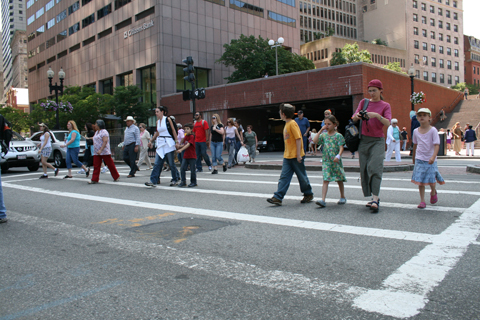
[
  {"x": 252, "y": 58},
  {"x": 461, "y": 87},
  {"x": 394, "y": 66},
  {"x": 127, "y": 103},
  {"x": 380, "y": 42},
  {"x": 350, "y": 54},
  {"x": 330, "y": 32},
  {"x": 318, "y": 35},
  {"x": 19, "y": 119}
]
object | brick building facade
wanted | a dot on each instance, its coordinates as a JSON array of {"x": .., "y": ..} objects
[{"x": 472, "y": 60}]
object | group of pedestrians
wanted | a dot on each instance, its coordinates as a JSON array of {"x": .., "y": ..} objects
[
  {"x": 374, "y": 118},
  {"x": 462, "y": 139}
]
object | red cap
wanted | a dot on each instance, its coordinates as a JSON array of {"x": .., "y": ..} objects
[{"x": 375, "y": 83}]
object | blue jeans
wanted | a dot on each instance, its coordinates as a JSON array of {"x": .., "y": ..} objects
[
  {"x": 183, "y": 169},
  {"x": 158, "y": 167},
  {"x": 201, "y": 150},
  {"x": 305, "y": 143},
  {"x": 231, "y": 151},
  {"x": 289, "y": 167},
  {"x": 72, "y": 156},
  {"x": 216, "y": 148},
  {"x": 3, "y": 210}
]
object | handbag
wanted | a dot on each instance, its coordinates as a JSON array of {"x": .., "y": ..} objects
[{"x": 353, "y": 132}]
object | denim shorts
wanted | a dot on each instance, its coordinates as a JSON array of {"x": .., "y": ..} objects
[{"x": 46, "y": 152}]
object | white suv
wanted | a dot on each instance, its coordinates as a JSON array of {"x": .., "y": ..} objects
[{"x": 21, "y": 153}]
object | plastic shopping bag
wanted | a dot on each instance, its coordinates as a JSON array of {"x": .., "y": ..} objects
[{"x": 242, "y": 155}]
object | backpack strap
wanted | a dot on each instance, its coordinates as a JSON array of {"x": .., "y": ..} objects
[{"x": 365, "y": 106}]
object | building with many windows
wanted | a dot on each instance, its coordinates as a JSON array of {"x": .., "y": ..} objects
[
  {"x": 430, "y": 31},
  {"x": 13, "y": 18},
  {"x": 111, "y": 43},
  {"x": 18, "y": 46},
  {"x": 472, "y": 60}
]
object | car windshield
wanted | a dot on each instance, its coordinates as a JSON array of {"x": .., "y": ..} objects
[{"x": 17, "y": 137}]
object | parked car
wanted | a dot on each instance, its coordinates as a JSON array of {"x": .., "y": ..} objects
[
  {"x": 59, "y": 154},
  {"x": 273, "y": 142},
  {"x": 21, "y": 153}
]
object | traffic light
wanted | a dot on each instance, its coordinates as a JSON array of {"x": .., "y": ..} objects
[
  {"x": 189, "y": 69},
  {"x": 200, "y": 93},
  {"x": 187, "y": 95}
]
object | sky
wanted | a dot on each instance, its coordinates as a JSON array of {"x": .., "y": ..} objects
[{"x": 471, "y": 23}]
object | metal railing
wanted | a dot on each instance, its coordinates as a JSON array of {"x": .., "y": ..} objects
[{"x": 448, "y": 109}]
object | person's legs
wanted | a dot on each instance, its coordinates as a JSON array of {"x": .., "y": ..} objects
[
  {"x": 231, "y": 153},
  {"x": 421, "y": 189},
  {"x": 285, "y": 179},
  {"x": 74, "y": 156},
  {"x": 341, "y": 187},
  {"x": 198, "y": 151},
  {"x": 44, "y": 165},
  {"x": 363, "y": 158},
  {"x": 213, "y": 148},
  {"x": 111, "y": 166},
  {"x": 325, "y": 189},
  {"x": 301, "y": 173},
  {"x": 157, "y": 169},
  {"x": 97, "y": 161},
  {"x": 183, "y": 169},
  {"x": 193, "y": 174},
  {"x": 68, "y": 162},
  {"x": 375, "y": 166},
  {"x": 173, "y": 168},
  {"x": 3, "y": 210},
  {"x": 305, "y": 143},
  {"x": 129, "y": 156},
  {"x": 398, "y": 156},
  {"x": 205, "y": 156},
  {"x": 390, "y": 147},
  {"x": 141, "y": 158},
  {"x": 404, "y": 145}
]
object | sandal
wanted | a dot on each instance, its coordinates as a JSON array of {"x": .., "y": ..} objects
[
  {"x": 369, "y": 204},
  {"x": 377, "y": 203},
  {"x": 434, "y": 198},
  {"x": 422, "y": 205},
  {"x": 88, "y": 172},
  {"x": 92, "y": 182},
  {"x": 67, "y": 177}
]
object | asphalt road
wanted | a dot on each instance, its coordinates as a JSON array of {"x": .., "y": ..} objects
[{"x": 219, "y": 251}]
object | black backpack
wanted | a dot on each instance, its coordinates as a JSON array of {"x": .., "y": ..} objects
[
  {"x": 170, "y": 128},
  {"x": 5, "y": 134},
  {"x": 353, "y": 132}
]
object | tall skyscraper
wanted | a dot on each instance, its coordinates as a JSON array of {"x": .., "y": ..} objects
[{"x": 13, "y": 18}]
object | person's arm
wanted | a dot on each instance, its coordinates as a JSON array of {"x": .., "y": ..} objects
[
  {"x": 256, "y": 142},
  {"x": 74, "y": 135},
  {"x": 390, "y": 133},
  {"x": 183, "y": 148},
  {"x": 316, "y": 137},
  {"x": 155, "y": 135},
  {"x": 308, "y": 130},
  {"x": 104, "y": 144},
  {"x": 238, "y": 135},
  {"x": 414, "y": 152},
  {"x": 435, "y": 152},
  {"x": 45, "y": 140},
  {"x": 299, "y": 148}
]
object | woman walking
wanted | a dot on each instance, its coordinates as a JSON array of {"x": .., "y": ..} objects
[
  {"x": 144, "y": 138},
  {"x": 46, "y": 150},
  {"x": 73, "y": 148},
  {"x": 372, "y": 144},
  {"x": 457, "y": 136},
  {"x": 88, "y": 156},
  {"x": 393, "y": 142},
  {"x": 216, "y": 143},
  {"x": 251, "y": 142},
  {"x": 231, "y": 133},
  {"x": 102, "y": 153}
]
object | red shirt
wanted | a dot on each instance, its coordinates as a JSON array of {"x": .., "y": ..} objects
[
  {"x": 190, "y": 151},
  {"x": 199, "y": 130},
  {"x": 373, "y": 127}
]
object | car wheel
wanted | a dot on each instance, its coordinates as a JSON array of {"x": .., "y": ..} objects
[
  {"x": 4, "y": 167},
  {"x": 34, "y": 167},
  {"x": 58, "y": 159},
  {"x": 271, "y": 148}
]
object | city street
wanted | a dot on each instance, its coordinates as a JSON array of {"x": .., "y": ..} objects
[{"x": 121, "y": 250}]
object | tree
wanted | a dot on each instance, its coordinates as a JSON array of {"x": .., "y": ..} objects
[
  {"x": 461, "y": 87},
  {"x": 127, "y": 102},
  {"x": 19, "y": 119},
  {"x": 380, "y": 42},
  {"x": 350, "y": 54},
  {"x": 318, "y": 35},
  {"x": 394, "y": 66},
  {"x": 252, "y": 58},
  {"x": 330, "y": 32}
]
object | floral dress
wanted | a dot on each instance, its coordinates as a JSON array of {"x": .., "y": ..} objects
[{"x": 332, "y": 171}]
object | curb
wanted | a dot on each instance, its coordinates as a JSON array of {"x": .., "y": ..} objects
[
  {"x": 473, "y": 169},
  {"x": 406, "y": 167}
]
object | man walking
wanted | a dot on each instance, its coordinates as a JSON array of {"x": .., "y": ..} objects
[
  {"x": 304, "y": 126},
  {"x": 131, "y": 143},
  {"x": 200, "y": 130}
]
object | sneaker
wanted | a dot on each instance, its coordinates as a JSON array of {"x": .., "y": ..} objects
[
  {"x": 274, "y": 201},
  {"x": 307, "y": 198},
  {"x": 43, "y": 177},
  {"x": 210, "y": 168},
  {"x": 173, "y": 183},
  {"x": 224, "y": 167},
  {"x": 104, "y": 170},
  {"x": 321, "y": 203},
  {"x": 81, "y": 172},
  {"x": 182, "y": 185},
  {"x": 342, "y": 201},
  {"x": 3, "y": 220},
  {"x": 215, "y": 171},
  {"x": 191, "y": 185},
  {"x": 199, "y": 170},
  {"x": 150, "y": 184},
  {"x": 56, "y": 171}
]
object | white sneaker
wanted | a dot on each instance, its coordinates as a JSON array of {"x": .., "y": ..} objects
[
  {"x": 104, "y": 170},
  {"x": 81, "y": 171},
  {"x": 210, "y": 168}
]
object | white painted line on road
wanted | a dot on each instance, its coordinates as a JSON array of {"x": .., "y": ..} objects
[
  {"x": 313, "y": 225},
  {"x": 229, "y": 269},
  {"x": 265, "y": 196},
  {"x": 476, "y": 243},
  {"x": 404, "y": 293}
]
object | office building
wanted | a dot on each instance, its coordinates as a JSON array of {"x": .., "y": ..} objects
[
  {"x": 472, "y": 60},
  {"x": 111, "y": 43},
  {"x": 13, "y": 18},
  {"x": 18, "y": 47},
  {"x": 430, "y": 31}
]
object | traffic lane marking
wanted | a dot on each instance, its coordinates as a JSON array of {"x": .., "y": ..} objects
[
  {"x": 404, "y": 293},
  {"x": 320, "y": 226},
  {"x": 268, "y": 195},
  {"x": 247, "y": 273}
]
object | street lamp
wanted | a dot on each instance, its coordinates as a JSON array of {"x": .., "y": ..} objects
[
  {"x": 56, "y": 88},
  {"x": 276, "y": 44},
  {"x": 411, "y": 73}
]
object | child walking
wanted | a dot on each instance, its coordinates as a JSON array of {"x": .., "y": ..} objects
[
  {"x": 189, "y": 157},
  {"x": 425, "y": 150},
  {"x": 332, "y": 166},
  {"x": 293, "y": 159}
]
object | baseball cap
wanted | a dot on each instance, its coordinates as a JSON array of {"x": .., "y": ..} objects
[
  {"x": 375, "y": 83},
  {"x": 424, "y": 110}
]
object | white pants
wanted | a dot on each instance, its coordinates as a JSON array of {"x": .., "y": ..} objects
[
  {"x": 471, "y": 146},
  {"x": 393, "y": 146},
  {"x": 144, "y": 157}
]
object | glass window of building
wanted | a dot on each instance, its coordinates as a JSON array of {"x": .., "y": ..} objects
[
  {"x": 434, "y": 77},
  {"x": 121, "y": 3},
  {"x": 126, "y": 79},
  {"x": 417, "y": 59},
  {"x": 425, "y": 75},
  {"x": 449, "y": 64},
  {"x": 107, "y": 85},
  {"x": 285, "y": 20},
  {"x": 424, "y": 7},
  {"x": 449, "y": 51},
  {"x": 432, "y": 47},
  {"x": 424, "y": 45},
  {"x": 457, "y": 79},
  {"x": 455, "y": 40},
  {"x": 51, "y": 23},
  {"x": 415, "y": 31},
  {"x": 424, "y": 20},
  {"x": 455, "y": 16},
  {"x": 447, "y": 13},
  {"x": 455, "y": 28},
  {"x": 432, "y": 22},
  {"x": 62, "y": 35},
  {"x": 442, "y": 78},
  {"x": 433, "y": 62},
  {"x": 432, "y": 35},
  {"x": 440, "y": 24},
  {"x": 425, "y": 61},
  {"x": 449, "y": 79},
  {"x": 149, "y": 85},
  {"x": 74, "y": 28},
  {"x": 440, "y": 49},
  {"x": 40, "y": 12},
  {"x": 440, "y": 12},
  {"x": 432, "y": 9},
  {"x": 62, "y": 15},
  {"x": 88, "y": 20},
  {"x": 74, "y": 7},
  {"x": 449, "y": 39},
  {"x": 440, "y": 36},
  {"x": 415, "y": 17},
  {"x": 30, "y": 19},
  {"x": 201, "y": 78},
  {"x": 448, "y": 27},
  {"x": 104, "y": 11},
  {"x": 50, "y": 5},
  {"x": 249, "y": 8},
  {"x": 415, "y": 4},
  {"x": 442, "y": 65},
  {"x": 455, "y": 52},
  {"x": 457, "y": 66},
  {"x": 424, "y": 33},
  {"x": 415, "y": 44}
]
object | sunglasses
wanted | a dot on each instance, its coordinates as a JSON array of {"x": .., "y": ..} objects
[{"x": 214, "y": 117}]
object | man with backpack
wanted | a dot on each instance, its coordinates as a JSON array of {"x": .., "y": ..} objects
[
  {"x": 5, "y": 137},
  {"x": 202, "y": 134}
]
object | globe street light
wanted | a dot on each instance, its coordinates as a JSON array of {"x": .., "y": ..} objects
[
  {"x": 56, "y": 88},
  {"x": 276, "y": 44},
  {"x": 411, "y": 73}
]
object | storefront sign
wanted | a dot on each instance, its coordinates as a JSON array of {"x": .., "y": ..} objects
[{"x": 133, "y": 31}]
